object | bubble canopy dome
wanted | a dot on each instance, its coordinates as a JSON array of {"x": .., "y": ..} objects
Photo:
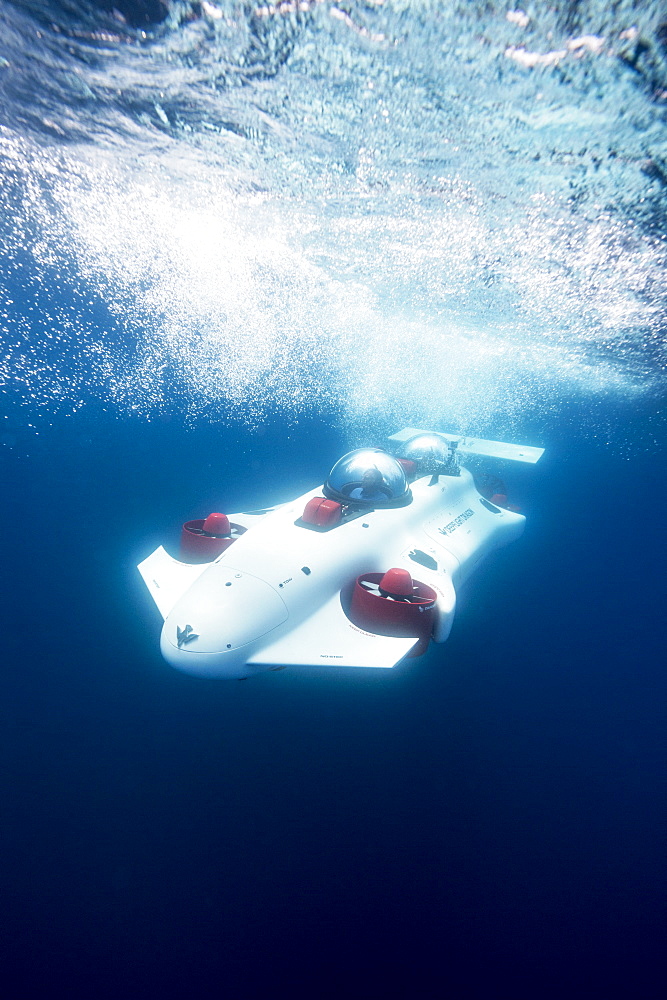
[
  {"x": 368, "y": 476},
  {"x": 429, "y": 452}
]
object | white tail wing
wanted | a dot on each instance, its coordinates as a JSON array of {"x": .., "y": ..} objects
[{"x": 476, "y": 446}]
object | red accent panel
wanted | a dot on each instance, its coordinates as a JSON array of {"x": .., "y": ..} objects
[
  {"x": 397, "y": 582},
  {"x": 374, "y": 613},
  {"x": 322, "y": 513},
  {"x": 218, "y": 525}
]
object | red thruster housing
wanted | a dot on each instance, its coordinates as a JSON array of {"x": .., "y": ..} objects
[
  {"x": 205, "y": 539},
  {"x": 392, "y": 603}
]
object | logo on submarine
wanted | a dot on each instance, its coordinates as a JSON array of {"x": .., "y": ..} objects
[{"x": 457, "y": 522}]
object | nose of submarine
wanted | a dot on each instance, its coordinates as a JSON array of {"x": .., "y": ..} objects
[{"x": 220, "y": 621}]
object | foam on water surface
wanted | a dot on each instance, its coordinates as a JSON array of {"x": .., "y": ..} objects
[{"x": 396, "y": 214}]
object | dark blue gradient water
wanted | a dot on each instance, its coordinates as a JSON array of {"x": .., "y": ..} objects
[
  {"x": 204, "y": 313},
  {"x": 487, "y": 820}
]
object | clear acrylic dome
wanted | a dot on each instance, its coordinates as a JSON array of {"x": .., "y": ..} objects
[
  {"x": 429, "y": 452},
  {"x": 368, "y": 475}
]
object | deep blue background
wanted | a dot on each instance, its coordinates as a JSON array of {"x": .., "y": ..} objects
[{"x": 487, "y": 821}]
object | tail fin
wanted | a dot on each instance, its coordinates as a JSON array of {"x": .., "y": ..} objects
[{"x": 476, "y": 446}]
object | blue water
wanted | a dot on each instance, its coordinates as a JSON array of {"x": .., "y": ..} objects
[{"x": 222, "y": 266}]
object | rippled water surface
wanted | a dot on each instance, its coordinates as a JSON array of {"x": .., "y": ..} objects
[{"x": 443, "y": 212}]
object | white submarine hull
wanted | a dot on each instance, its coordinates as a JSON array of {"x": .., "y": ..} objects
[{"x": 283, "y": 593}]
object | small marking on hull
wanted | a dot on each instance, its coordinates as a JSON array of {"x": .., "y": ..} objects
[{"x": 183, "y": 636}]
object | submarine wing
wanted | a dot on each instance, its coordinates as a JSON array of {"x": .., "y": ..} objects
[
  {"x": 328, "y": 637},
  {"x": 168, "y": 579}
]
